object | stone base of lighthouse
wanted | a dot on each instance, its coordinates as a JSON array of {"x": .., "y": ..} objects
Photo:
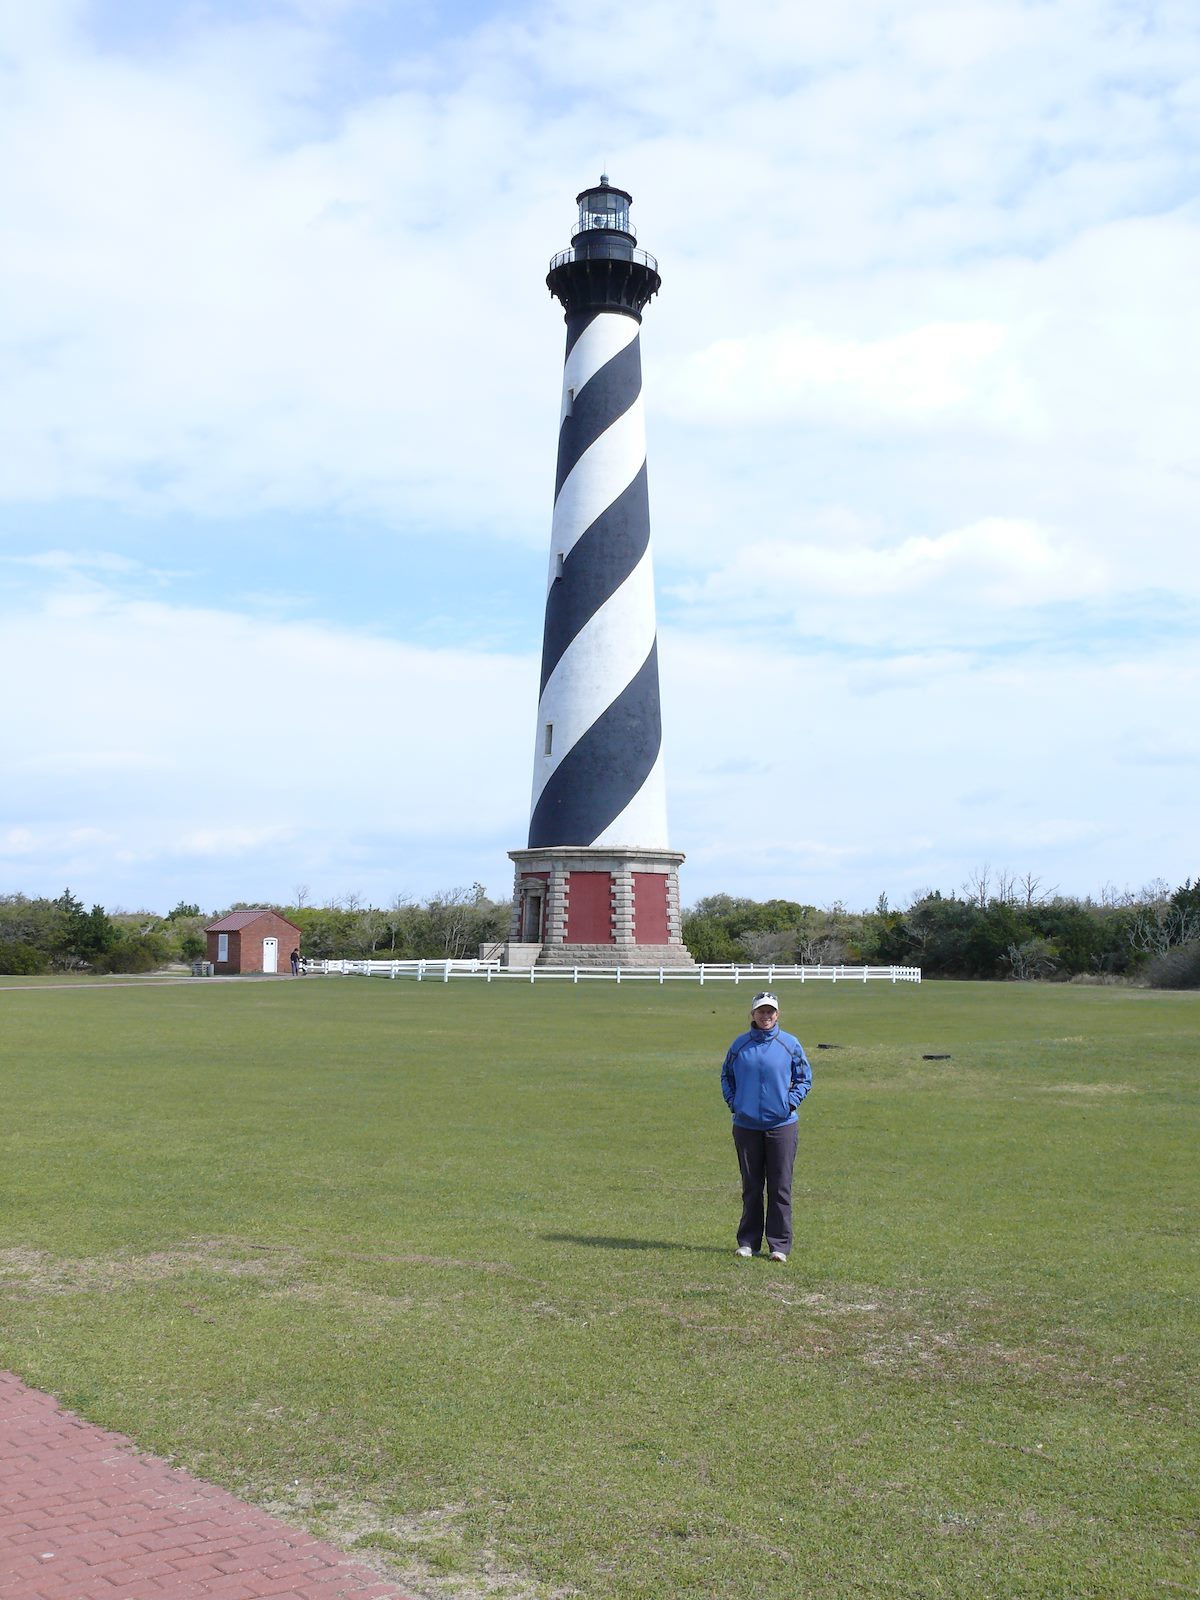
[{"x": 578, "y": 907}]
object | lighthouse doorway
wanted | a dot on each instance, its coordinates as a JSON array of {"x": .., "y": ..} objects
[{"x": 531, "y": 921}]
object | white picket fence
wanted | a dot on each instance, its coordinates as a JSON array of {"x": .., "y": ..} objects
[{"x": 765, "y": 976}]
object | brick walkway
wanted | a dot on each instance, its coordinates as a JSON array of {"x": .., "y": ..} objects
[{"x": 85, "y": 1516}]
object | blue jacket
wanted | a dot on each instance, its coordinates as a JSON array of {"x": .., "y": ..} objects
[{"x": 764, "y": 1078}]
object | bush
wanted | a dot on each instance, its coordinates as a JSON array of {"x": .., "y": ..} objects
[
  {"x": 21, "y": 959},
  {"x": 1035, "y": 958},
  {"x": 1177, "y": 968},
  {"x": 138, "y": 952},
  {"x": 709, "y": 939}
]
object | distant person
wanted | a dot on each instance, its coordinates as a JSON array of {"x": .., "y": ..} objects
[
  {"x": 765, "y": 1077},
  {"x": 295, "y": 963}
]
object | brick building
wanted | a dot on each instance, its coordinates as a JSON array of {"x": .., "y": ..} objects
[{"x": 254, "y": 940}]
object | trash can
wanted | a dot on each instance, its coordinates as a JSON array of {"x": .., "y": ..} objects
[{"x": 202, "y": 969}]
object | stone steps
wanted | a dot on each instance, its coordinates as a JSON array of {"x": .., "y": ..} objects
[{"x": 674, "y": 956}]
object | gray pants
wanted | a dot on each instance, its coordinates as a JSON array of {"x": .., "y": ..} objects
[{"x": 766, "y": 1159}]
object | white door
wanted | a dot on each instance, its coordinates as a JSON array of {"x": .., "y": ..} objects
[{"x": 270, "y": 955}]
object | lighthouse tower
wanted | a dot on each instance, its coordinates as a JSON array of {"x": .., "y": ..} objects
[{"x": 598, "y": 883}]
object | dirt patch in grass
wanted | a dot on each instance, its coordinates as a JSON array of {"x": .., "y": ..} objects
[
  {"x": 427, "y": 1554},
  {"x": 883, "y": 1071},
  {"x": 1086, "y": 1088},
  {"x": 37, "y": 1272},
  {"x": 902, "y": 1334},
  {"x": 199, "y": 1266},
  {"x": 361, "y": 1302},
  {"x": 436, "y": 1261}
]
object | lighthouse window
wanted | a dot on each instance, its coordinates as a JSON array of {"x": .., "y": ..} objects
[
  {"x": 558, "y": 563},
  {"x": 548, "y": 746},
  {"x": 603, "y": 209}
]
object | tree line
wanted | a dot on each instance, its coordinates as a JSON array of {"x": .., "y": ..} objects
[
  {"x": 39, "y": 935},
  {"x": 993, "y": 927},
  {"x": 452, "y": 924}
]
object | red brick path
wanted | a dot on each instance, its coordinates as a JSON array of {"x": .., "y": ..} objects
[{"x": 84, "y": 1516}]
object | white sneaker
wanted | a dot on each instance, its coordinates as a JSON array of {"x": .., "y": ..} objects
[
  {"x": 743, "y": 1250},
  {"x": 777, "y": 1255}
]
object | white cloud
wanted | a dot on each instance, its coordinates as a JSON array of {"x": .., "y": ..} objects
[
  {"x": 968, "y": 586},
  {"x": 913, "y": 376},
  {"x": 299, "y": 753},
  {"x": 201, "y": 318},
  {"x": 218, "y": 304},
  {"x": 857, "y": 782},
  {"x": 232, "y": 843},
  {"x": 159, "y": 736}
]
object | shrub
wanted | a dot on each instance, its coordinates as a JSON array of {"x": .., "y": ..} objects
[
  {"x": 137, "y": 952},
  {"x": 1035, "y": 958},
  {"x": 22, "y": 959},
  {"x": 1176, "y": 968},
  {"x": 709, "y": 939}
]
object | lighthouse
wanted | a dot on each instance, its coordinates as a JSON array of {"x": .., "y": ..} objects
[{"x": 598, "y": 883}]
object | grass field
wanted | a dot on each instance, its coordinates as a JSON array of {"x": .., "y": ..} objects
[{"x": 446, "y": 1273}]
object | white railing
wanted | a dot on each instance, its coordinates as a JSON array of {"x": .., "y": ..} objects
[{"x": 443, "y": 971}]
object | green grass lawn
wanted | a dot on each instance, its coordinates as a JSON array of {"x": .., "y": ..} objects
[{"x": 445, "y": 1272}]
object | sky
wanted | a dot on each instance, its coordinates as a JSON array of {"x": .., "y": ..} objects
[{"x": 279, "y": 391}]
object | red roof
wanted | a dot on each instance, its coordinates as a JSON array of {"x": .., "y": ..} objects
[{"x": 243, "y": 919}]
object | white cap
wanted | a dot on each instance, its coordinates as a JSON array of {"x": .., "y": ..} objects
[{"x": 766, "y": 998}]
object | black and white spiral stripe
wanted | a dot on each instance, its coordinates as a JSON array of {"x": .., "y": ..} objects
[{"x": 598, "y": 775}]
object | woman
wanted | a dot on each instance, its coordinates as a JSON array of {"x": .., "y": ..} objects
[{"x": 765, "y": 1076}]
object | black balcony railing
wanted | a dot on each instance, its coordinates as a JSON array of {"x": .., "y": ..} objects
[{"x": 614, "y": 251}]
